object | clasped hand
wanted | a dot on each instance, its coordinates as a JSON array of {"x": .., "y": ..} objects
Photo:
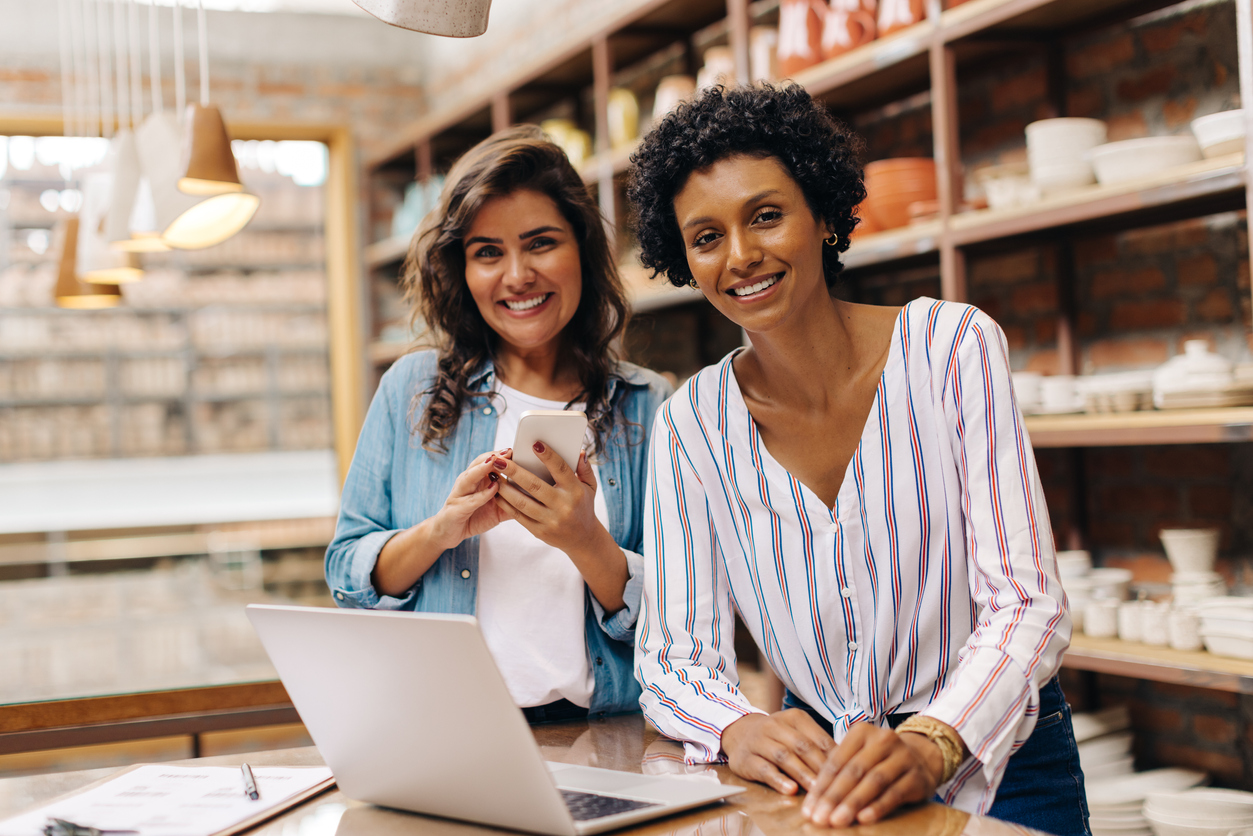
[{"x": 868, "y": 775}]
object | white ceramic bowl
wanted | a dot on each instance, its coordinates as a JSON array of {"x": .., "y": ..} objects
[
  {"x": 1062, "y": 135},
  {"x": 1131, "y": 159},
  {"x": 1073, "y": 563},
  {"x": 1105, "y": 749},
  {"x": 1191, "y": 549},
  {"x": 1110, "y": 582},
  {"x": 1226, "y": 626},
  {"x": 1132, "y": 789},
  {"x": 1201, "y": 803},
  {"x": 1062, "y": 176},
  {"x": 1171, "y": 827},
  {"x": 1237, "y": 647},
  {"x": 1220, "y": 133}
]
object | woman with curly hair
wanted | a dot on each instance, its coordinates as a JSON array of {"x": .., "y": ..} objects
[
  {"x": 857, "y": 484},
  {"x": 512, "y": 271}
]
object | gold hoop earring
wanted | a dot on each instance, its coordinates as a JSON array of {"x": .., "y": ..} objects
[
  {"x": 692, "y": 284},
  {"x": 832, "y": 241}
]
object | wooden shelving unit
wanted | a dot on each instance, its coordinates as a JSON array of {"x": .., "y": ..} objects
[
  {"x": 1168, "y": 426},
  {"x": 1194, "y": 668}
]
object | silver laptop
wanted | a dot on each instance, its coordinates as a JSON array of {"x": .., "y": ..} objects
[{"x": 409, "y": 711}]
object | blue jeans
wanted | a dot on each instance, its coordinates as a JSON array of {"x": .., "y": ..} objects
[{"x": 1043, "y": 785}]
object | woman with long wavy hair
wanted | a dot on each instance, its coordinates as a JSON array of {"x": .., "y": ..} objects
[{"x": 513, "y": 274}]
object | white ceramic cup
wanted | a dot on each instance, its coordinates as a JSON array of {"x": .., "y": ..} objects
[
  {"x": 1130, "y": 621},
  {"x": 1057, "y": 393},
  {"x": 1100, "y": 618},
  {"x": 1184, "y": 625},
  {"x": 1154, "y": 623}
]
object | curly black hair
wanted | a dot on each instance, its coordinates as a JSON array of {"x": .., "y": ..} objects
[{"x": 761, "y": 120}]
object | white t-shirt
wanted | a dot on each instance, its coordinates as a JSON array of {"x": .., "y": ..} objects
[{"x": 531, "y": 596}]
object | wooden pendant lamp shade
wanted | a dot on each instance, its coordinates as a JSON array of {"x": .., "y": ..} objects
[
  {"x": 209, "y": 165},
  {"x": 451, "y": 18},
  {"x": 72, "y": 293}
]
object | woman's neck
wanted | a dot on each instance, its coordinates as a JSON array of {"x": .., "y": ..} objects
[{"x": 543, "y": 372}]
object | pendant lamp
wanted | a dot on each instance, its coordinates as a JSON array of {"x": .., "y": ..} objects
[
  {"x": 210, "y": 164},
  {"x": 456, "y": 19},
  {"x": 72, "y": 293},
  {"x": 97, "y": 261}
]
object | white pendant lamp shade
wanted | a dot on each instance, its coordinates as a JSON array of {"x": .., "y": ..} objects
[
  {"x": 211, "y": 221},
  {"x": 125, "y": 170},
  {"x": 145, "y": 237},
  {"x": 72, "y": 293},
  {"x": 208, "y": 162},
  {"x": 97, "y": 261},
  {"x": 451, "y": 18}
]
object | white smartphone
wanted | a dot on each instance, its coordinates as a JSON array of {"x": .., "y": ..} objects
[{"x": 561, "y": 430}]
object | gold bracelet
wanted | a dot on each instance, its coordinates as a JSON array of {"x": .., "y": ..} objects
[{"x": 952, "y": 748}]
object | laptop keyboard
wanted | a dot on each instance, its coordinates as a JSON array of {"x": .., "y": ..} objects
[{"x": 585, "y": 806}]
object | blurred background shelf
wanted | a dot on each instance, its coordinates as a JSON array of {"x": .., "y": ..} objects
[
  {"x": 1195, "y": 668},
  {"x": 1165, "y": 426}
]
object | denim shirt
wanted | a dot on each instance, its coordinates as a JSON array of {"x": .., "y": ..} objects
[{"x": 394, "y": 484}]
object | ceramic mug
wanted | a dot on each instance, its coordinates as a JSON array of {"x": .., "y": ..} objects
[
  {"x": 1184, "y": 625},
  {"x": 1131, "y": 621},
  {"x": 1100, "y": 618}
]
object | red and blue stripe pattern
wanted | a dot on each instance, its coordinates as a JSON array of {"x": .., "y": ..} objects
[{"x": 930, "y": 585}]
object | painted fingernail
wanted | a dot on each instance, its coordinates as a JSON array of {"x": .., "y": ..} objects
[
  {"x": 493, "y": 477},
  {"x": 499, "y": 464},
  {"x": 538, "y": 447},
  {"x": 506, "y": 451}
]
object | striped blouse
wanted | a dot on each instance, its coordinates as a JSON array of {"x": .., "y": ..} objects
[{"x": 930, "y": 586}]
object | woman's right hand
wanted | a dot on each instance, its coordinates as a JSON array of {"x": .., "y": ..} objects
[
  {"x": 468, "y": 511},
  {"x": 784, "y": 750}
]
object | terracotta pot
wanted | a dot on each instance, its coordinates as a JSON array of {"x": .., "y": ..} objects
[
  {"x": 897, "y": 14},
  {"x": 800, "y": 35},
  {"x": 893, "y": 184},
  {"x": 866, "y": 225},
  {"x": 848, "y": 25}
]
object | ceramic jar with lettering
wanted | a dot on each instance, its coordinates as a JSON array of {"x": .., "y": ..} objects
[
  {"x": 897, "y": 14},
  {"x": 848, "y": 25},
  {"x": 800, "y": 34}
]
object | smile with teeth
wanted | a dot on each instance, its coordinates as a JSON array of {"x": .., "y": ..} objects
[
  {"x": 526, "y": 304},
  {"x": 758, "y": 287}
]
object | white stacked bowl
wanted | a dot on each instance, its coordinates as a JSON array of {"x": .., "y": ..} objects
[
  {"x": 1198, "y": 812},
  {"x": 1227, "y": 626},
  {"x": 1192, "y": 553},
  {"x": 1106, "y": 756},
  {"x": 1057, "y": 151},
  {"x": 1131, "y": 159},
  {"x": 1220, "y": 133},
  {"x": 1116, "y": 805}
]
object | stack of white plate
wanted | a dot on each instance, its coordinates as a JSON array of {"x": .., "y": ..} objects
[
  {"x": 1227, "y": 626},
  {"x": 1116, "y": 805},
  {"x": 1107, "y": 756},
  {"x": 1057, "y": 151},
  {"x": 1190, "y": 588},
  {"x": 1198, "y": 812}
]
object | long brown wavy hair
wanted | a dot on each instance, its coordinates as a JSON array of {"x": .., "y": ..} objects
[{"x": 434, "y": 282}]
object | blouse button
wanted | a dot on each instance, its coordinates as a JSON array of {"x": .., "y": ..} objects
[
  {"x": 465, "y": 573},
  {"x": 835, "y": 526},
  {"x": 852, "y": 645},
  {"x": 846, "y": 592}
]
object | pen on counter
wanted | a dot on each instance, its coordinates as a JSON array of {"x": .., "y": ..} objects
[{"x": 250, "y": 783}]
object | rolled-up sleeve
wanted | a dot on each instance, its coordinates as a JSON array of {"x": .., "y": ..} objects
[
  {"x": 685, "y": 655},
  {"x": 992, "y": 697},
  {"x": 365, "y": 514}
]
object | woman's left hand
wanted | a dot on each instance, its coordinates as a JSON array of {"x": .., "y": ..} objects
[
  {"x": 871, "y": 773},
  {"x": 563, "y": 516}
]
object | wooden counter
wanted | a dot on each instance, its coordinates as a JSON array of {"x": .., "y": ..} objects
[{"x": 625, "y": 743}]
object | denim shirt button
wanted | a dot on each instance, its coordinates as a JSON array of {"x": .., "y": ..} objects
[
  {"x": 612, "y": 482},
  {"x": 339, "y": 596},
  {"x": 487, "y": 410},
  {"x": 600, "y": 661},
  {"x": 465, "y": 573}
]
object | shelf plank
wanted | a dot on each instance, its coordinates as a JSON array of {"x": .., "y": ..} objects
[
  {"x": 1206, "y": 178},
  {"x": 1165, "y": 426},
  {"x": 387, "y": 251},
  {"x": 1195, "y": 668},
  {"x": 894, "y": 244},
  {"x": 616, "y": 160}
]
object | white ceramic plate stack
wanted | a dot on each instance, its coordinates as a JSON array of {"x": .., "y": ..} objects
[
  {"x": 1220, "y": 133},
  {"x": 1116, "y": 805},
  {"x": 1107, "y": 756},
  {"x": 1132, "y": 159},
  {"x": 1118, "y": 392},
  {"x": 1198, "y": 812},
  {"x": 1072, "y": 566},
  {"x": 1227, "y": 627},
  {"x": 1057, "y": 152},
  {"x": 1198, "y": 379},
  {"x": 1192, "y": 552}
]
